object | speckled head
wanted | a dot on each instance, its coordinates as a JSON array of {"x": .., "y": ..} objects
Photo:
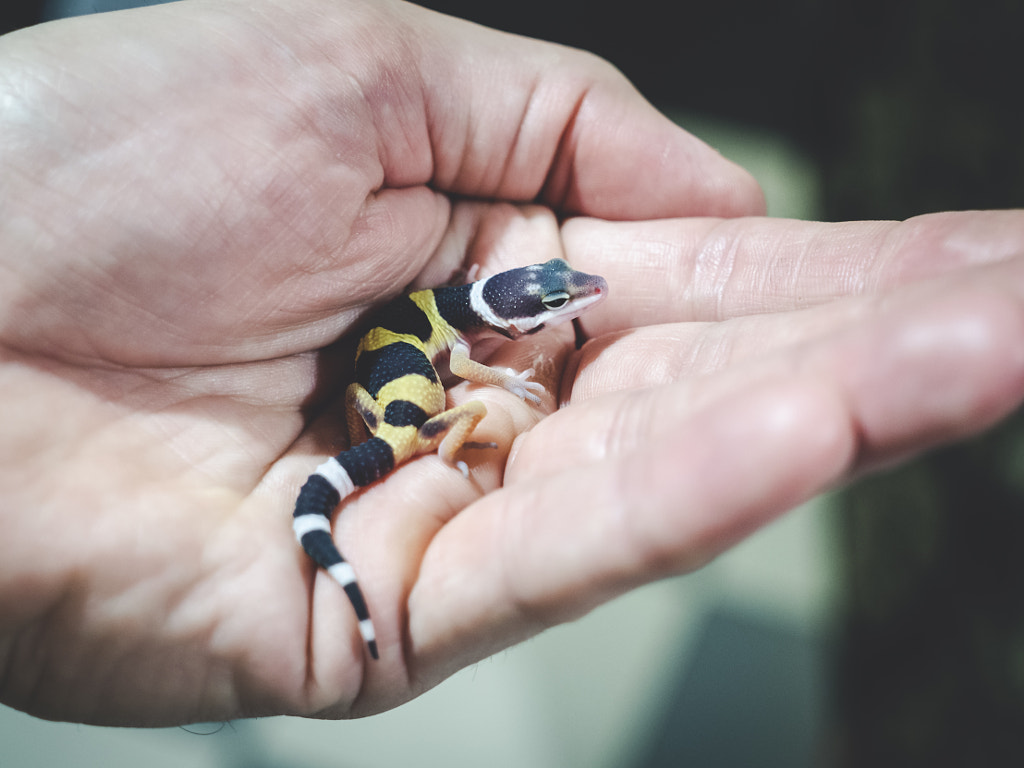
[{"x": 525, "y": 300}]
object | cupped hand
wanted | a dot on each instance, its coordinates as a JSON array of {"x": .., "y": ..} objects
[{"x": 199, "y": 199}]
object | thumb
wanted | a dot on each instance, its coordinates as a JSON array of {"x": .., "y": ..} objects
[{"x": 517, "y": 119}]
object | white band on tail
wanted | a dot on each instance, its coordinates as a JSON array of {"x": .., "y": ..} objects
[
  {"x": 303, "y": 524},
  {"x": 367, "y": 631},
  {"x": 343, "y": 573},
  {"x": 335, "y": 474}
]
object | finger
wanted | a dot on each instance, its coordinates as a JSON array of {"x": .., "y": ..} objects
[
  {"x": 521, "y": 120},
  {"x": 651, "y": 356},
  {"x": 548, "y": 551},
  {"x": 927, "y": 365},
  {"x": 684, "y": 269},
  {"x": 638, "y": 503}
]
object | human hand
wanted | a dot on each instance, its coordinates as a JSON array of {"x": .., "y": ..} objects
[
  {"x": 188, "y": 223},
  {"x": 197, "y": 199}
]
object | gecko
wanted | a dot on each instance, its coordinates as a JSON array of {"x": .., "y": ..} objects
[{"x": 396, "y": 407}]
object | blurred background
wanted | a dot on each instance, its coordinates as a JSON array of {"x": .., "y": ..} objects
[{"x": 880, "y": 626}]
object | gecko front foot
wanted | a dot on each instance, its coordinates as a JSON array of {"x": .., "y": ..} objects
[{"x": 519, "y": 384}]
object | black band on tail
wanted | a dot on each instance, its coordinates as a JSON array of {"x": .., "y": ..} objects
[
  {"x": 317, "y": 500},
  {"x": 317, "y": 497}
]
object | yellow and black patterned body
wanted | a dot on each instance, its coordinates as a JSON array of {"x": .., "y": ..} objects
[
  {"x": 397, "y": 388},
  {"x": 398, "y": 398}
]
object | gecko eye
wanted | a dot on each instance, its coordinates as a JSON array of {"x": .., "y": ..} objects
[{"x": 555, "y": 300}]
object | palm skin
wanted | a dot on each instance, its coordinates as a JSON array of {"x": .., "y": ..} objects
[{"x": 200, "y": 199}]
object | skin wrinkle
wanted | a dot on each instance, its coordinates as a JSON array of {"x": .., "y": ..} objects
[
  {"x": 452, "y": 179},
  {"x": 557, "y": 188},
  {"x": 395, "y": 173},
  {"x": 712, "y": 352},
  {"x": 632, "y": 421},
  {"x": 623, "y": 427},
  {"x": 467, "y": 177},
  {"x": 713, "y": 270},
  {"x": 390, "y": 100},
  {"x": 658, "y": 366},
  {"x": 761, "y": 279},
  {"x": 505, "y": 186},
  {"x": 438, "y": 114},
  {"x": 793, "y": 255},
  {"x": 791, "y": 260},
  {"x": 868, "y": 268},
  {"x": 660, "y": 258}
]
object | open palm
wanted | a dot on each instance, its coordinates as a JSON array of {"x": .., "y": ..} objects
[{"x": 201, "y": 200}]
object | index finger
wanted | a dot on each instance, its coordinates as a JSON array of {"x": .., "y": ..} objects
[{"x": 684, "y": 270}]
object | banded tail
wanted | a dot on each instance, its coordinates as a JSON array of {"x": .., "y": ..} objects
[{"x": 331, "y": 482}]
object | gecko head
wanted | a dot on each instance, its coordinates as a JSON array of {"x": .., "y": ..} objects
[{"x": 527, "y": 299}]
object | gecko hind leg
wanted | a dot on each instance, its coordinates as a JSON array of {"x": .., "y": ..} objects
[
  {"x": 449, "y": 430},
  {"x": 362, "y": 414}
]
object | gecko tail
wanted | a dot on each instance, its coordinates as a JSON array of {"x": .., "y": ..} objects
[
  {"x": 312, "y": 525},
  {"x": 319, "y": 545}
]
